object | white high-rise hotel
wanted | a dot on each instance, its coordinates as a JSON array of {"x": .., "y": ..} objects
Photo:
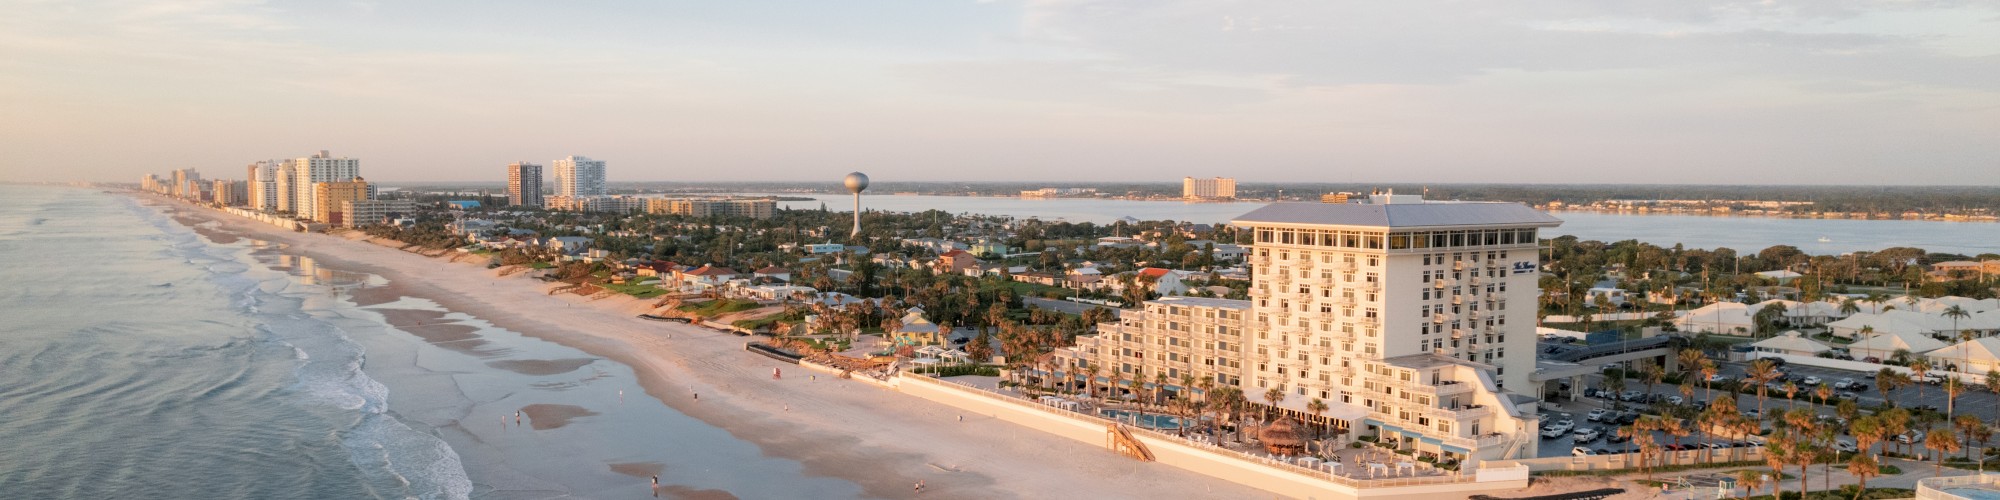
[
  {"x": 579, "y": 176},
  {"x": 1421, "y": 313},
  {"x": 1412, "y": 320},
  {"x": 1208, "y": 189}
]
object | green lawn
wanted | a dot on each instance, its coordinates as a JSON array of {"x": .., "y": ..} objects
[
  {"x": 640, "y": 290},
  {"x": 715, "y": 308}
]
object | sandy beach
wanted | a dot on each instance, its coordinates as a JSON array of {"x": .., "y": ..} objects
[{"x": 879, "y": 439}]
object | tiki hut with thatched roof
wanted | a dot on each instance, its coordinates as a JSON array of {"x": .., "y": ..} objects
[{"x": 1282, "y": 437}]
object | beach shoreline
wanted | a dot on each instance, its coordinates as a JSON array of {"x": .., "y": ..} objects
[{"x": 880, "y": 440}]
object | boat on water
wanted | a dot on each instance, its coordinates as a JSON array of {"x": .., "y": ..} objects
[{"x": 1824, "y": 239}]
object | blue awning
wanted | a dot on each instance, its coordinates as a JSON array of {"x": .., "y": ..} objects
[
  {"x": 1454, "y": 449},
  {"x": 1431, "y": 440}
]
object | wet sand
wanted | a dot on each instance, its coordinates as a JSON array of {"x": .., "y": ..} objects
[
  {"x": 878, "y": 439},
  {"x": 543, "y": 417},
  {"x": 540, "y": 366}
]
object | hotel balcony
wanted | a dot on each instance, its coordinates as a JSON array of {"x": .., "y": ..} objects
[
  {"x": 1438, "y": 284},
  {"x": 1307, "y": 264},
  {"x": 1347, "y": 266},
  {"x": 1457, "y": 299}
]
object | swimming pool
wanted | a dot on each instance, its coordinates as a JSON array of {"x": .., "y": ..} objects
[
  {"x": 1974, "y": 493},
  {"x": 1148, "y": 420}
]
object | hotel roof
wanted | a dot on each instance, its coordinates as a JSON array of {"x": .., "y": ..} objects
[{"x": 1397, "y": 215}]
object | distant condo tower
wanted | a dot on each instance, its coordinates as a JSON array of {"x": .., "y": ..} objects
[
  {"x": 856, "y": 183},
  {"x": 1218, "y": 188},
  {"x": 524, "y": 184},
  {"x": 579, "y": 176}
]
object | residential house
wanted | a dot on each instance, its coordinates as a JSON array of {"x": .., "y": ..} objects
[
  {"x": 708, "y": 275},
  {"x": 1882, "y": 346},
  {"x": 774, "y": 272},
  {"x": 1791, "y": 342},
  {"x": 955, "y": 261}
]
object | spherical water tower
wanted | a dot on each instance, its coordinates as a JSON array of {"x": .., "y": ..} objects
[{"x": 856, "y": 183}]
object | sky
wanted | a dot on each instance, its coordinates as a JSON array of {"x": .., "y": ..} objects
[{"x": 1563, "y": 91}]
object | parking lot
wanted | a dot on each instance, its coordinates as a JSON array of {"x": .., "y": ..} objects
[{"x": 1975, "y": 401}]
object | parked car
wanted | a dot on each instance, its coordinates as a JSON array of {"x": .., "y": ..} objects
[
  {"x": 1627, "y": 417},
  {"x": 1583, "y": 452},
  {"x": 1616, "y": 438},
  {"x": 1871, "y": 359},
  {"x": 1844, "y": 384},
  {"x": 1598, "y": 415},
  {"x": 1847, "y": 395},
  {"x": 1858, "y": 387},
  {"x": 1752, "y": 414},
  {"x": 1674, "y": 400},
  {"x": 1552, "y": 433},
  {"x": 1812, "y": 380},
  {"x": 1587, "y": 434},
  {"x": 1718, "y": 378},
  {"x": 1845, "y": 446},
  {"x": 1631, "y": 396},
  {"x": 1909, "y": 437}
]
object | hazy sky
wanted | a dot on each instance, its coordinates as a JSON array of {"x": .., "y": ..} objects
[{"x": 1671, "y": 91}]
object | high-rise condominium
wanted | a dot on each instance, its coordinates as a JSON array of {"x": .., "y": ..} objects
[
  {"x": 318, "y": 168},
  {"x": 1208, "y": 189},
  {"x": 579, "y": 176},
  {"x": 263, "y": 185},
  {"x": 524, "y": 184}
]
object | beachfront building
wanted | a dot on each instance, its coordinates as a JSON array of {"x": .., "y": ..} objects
[
  {"x": 357, "y": 213},
  {"x": 231, "y": 193},
  {"x": 1419, "y": 313},
  {"x": 330, "y": 198},
  {"x": 755, "y": 209},
  {"x": 263, "y": 180},
  {"x": 1216, "y": 188},
  {"x": 524, "y": 184},
  {"x": 1179, "y": 338},
  {"x": 307, "y": 172},
  {"x": 579, "y": 176}
]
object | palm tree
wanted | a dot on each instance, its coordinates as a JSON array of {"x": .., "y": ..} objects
[
  {"x": 1862, "y": 467},
  {"x": 1848, "y": 307},
  {"x": 1993, "y": 383},
  {"x": 1708, "y": 371},
  {"x": 1918, "y": 368},
  {"x": 1955, "y": 313},
  {"x": 1317, "y": 408},
  {"x": 1952, "y": 388},
  {"x": 1761, "y": 372},
  {"x": 1895, "y": 422},
  {"x": 1791, "y": 395},
  {"x": 1673, "y": 427},
  {"x": 1887, "y": 380},
  {"x": 1751, "y": 480},
  {"x": 1941, "y": 442},
  {"x": 1777, "y": 454},
  {"x": 1968, "y": 426},
  {"x": 1690, "y": 360},
  {"x": 1272, "y": 397},
  {"x": 1652, "y": 374},
  {"x": 1867, "y": 431}
]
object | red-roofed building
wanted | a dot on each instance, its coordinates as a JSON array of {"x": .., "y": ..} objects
[{"x": 955, "y": 262}]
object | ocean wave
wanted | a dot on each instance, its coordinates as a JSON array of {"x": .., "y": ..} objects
[{"x": 328, "y": 364}]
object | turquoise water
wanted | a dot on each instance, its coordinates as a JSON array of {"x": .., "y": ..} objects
[
  {"x": 1975, "y": 493},
  {"x": 1740, "y": 233},
  {"x": 1146, "y": 420}
]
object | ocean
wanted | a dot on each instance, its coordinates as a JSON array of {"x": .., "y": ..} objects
[{"x": 141, "y": 359}]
